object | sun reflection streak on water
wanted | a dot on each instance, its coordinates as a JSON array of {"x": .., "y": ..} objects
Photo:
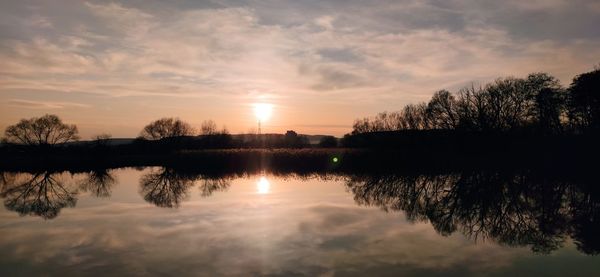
[{"x": 263, "y": 186}]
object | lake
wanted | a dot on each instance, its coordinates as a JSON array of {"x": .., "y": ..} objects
[{"x": 163, "y": 221}]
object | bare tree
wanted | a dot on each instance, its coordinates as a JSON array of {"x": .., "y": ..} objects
[
  {"x": 414, "y": 117},
  {"x": 471, "y": 107},
  {"x": 208, "y": 127},
  {"x": 583, "y": 101},
  {"x": 385, "y": 121},
  {"x": 101, "y": 140},
  {"x": 45, "y": 130},
  {"x": 166, "y": 128},
  {"x": 504, "y": 105},
  {"x": 442, "y": 110},
  {"x": 102, "y": 137}
]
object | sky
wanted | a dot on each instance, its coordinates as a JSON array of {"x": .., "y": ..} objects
[{"x": 114, "y": 66}]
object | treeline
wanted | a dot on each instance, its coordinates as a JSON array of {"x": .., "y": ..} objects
[
  {"x": 49, "y": 134},
  {"x": 537, "y": 104}
]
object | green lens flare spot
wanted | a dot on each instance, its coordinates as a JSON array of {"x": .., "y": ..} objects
[{"x": 335, "y": 159}]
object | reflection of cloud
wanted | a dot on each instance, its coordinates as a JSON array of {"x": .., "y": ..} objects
[
  {"x": 235, "y": 237},
  {"x": 315, "y": 228},
  {"x": 233, "y": 242}
]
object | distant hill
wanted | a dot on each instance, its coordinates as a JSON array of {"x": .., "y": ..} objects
[
  {"x": 313, "y": 139},
  {"x": 111, "y": 141}
]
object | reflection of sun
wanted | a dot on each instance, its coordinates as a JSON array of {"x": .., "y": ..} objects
[
  {"x": 263, "y": 186},
  {"x": 263, "y": 111}
]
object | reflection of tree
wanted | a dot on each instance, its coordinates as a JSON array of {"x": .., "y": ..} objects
[
  {"x": 165, "y": 188},
  {"x": 514, "y": 210},
  {"x": 6, "y": 180},
  {"x": 586, "y": 219},
  {"x": 99, "y": 183},
  {"x": 41, "y": 194},
  {"x": 210, "y": 185}
]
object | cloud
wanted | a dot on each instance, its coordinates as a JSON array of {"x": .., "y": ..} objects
[
  {"x": 366, "y": 58},
  {"x": 28, "y": 104}
]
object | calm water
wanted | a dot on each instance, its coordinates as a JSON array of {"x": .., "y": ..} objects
[{"x": 156, "y": 221}]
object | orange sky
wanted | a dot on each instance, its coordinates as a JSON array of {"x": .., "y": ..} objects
[{"x": 112, "y": 67}]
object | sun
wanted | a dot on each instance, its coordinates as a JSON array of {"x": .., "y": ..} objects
[{"x": 263, "y": 111}]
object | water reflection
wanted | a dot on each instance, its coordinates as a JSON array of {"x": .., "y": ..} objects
[
  {"x": 40, "y": 194},
  {"x": 262, "y": 185},
  {"x": 165, "y": 187},
  {"x": 99, "y": 183},
  {"x": 512, "y": 209},
  {"x": 213, "y": 184}
]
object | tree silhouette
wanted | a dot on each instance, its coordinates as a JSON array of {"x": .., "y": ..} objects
[
  {"x": 414, "y": 117},
  {"x": 505, "y": 105},
  {"x": 550, "y": 109},
  {"x": 40, "y": 194},
  {"x": 208, "y": 127},
  {"x": 328, "y": 141},
  {"x": 471, "y": 109},
  {"x": 584, "y": 101},
  {"x": 442, "y": 110},
  {"x": 166, "y": 128},
  {"x": 45, "y": 130}
]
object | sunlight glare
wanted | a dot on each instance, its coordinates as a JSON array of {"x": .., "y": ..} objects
[
  {"x": 263, "y": 111},
  {"x": 263, "y": 186}
]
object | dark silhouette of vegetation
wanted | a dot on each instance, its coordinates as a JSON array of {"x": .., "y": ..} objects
[
  {"x": 44, "y": 131},
  {"x": 583, "y": 101},
  {"x": 292, "y": 139},
  {"x": 208, "y": 127},
  {"x": 166, "y": 128},
  {"x": 328, "y": 142},
  {"x": 537, "y": 102},
  {"x": 507, "y": 104},
  {"x": 513, "y": 112}
]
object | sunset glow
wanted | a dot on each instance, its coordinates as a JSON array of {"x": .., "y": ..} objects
[
  {"x": 112, "y": 67},
  {"x": 263, "y": 111}
]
